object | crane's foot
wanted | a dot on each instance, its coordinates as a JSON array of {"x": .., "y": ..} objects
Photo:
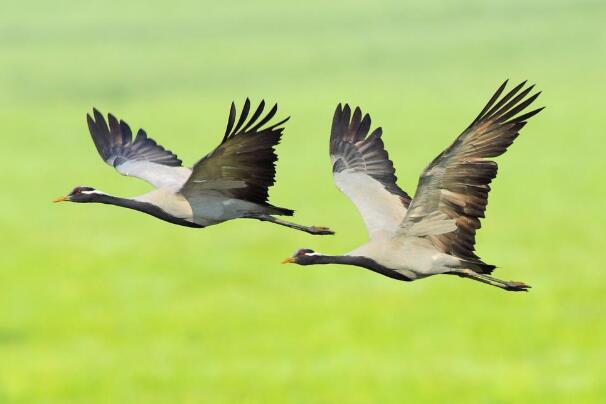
[
  {"x": 511, "y": 286},
  {"x": 515, "y": 286},
  {"x": 319, "y": 230},
  {"x": 315, "y": 230}
]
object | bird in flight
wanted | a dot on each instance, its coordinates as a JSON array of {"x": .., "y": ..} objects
[
  {"x": 434, "y": 232},
  {"x": 230, "y": 182}
]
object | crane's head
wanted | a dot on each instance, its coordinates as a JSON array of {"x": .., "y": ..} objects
[
  {"x": 81, "y": 194},
  {"x": 303, "y": 256}
]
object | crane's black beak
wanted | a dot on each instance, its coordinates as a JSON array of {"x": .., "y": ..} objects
[
  {"x": 289, "y": 260},
  {"x": 61, "y": 199}
]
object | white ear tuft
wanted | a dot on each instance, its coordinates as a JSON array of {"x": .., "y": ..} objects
[{"x": 94, "y": 191}]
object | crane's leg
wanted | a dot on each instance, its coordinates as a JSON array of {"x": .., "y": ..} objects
[
  {"x": 512, "y": 286},
  {"x": 316, "y": 230}
]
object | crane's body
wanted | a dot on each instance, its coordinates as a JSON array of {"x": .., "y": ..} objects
[
  {"x": 230, "y": 182},
  {"x": 434, "y": 232}
]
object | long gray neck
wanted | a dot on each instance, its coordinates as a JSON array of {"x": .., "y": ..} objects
[
  {"x": 358, "y": 261},
  {"x": 144, "y": 207}
]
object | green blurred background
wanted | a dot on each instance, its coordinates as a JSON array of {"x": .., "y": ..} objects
[{"x": 100, "y": 304}]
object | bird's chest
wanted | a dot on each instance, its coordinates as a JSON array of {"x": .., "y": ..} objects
[
  {"x": 413, "y": 257},
  {"x": 180, "y": 209},
  {"x": 173, "y": 204}
]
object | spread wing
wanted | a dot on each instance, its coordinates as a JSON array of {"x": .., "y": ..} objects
[
  {"x": 362, "y": 171},
  {"x": 453, "y": 190},
  {"x": 140, "y": 157},
  {"x": 243, "y": 165}
]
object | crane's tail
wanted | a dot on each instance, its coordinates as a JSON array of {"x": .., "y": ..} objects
[{"x": 512, "y": 286}]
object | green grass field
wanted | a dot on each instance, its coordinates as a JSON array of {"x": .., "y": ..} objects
[{"x": 104, "y": 305}]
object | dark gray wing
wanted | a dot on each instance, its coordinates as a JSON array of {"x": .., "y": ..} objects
[
  {"x": 243, "y": 165},
  {"x": 141, "y": 157},
  {"x": 362, "y": 171},
  {"x": 453, "y": 190}
]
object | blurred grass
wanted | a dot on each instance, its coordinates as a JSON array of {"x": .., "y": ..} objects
[{"x": 99, "y": 304}]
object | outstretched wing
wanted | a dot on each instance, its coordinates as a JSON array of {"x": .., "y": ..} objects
[
  {"x": 243, "y": 165},
  {"x": 453, "y": 190},
  {"x": 142, "y": 157},
  {"x": 362, "y": 171}
]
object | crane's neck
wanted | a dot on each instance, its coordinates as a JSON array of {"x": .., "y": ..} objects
[
  {"x": 358, "y": 261},
  {"x": 144, "y": 207}
]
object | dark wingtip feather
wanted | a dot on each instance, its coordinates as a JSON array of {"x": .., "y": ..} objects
[
  {"x": 516, "y": 106},
  {"x": 99, "y": 119},
  {"x": 337, "y": 114},
  {"x": 141, "y": 136},
  {"x": 347, "y": 110},
  {"x": 336, "y": 121},
  {"x": 528, "y": 115},
  {"x": 490, "y": 102},
  {"x": 364, "y": 127},
  {"x": 377, "y": 133},
  {"x": 345, "y": 119},
  {"x": 499, "y": 107},
  {"x": 266, "y": 119},
  {"x": 252, "y": 127},
  {"x": 99, "y": 138},
  {"x": 255, "y": 116},
  {"x": 230, "y": 120},
  {"x": 243, "y": 115},
  {"x": 127, "y": 134},
  {"x": 356, "y": 117},
  {"x": 341, "y": 122},
  {"x": 276, "y": 126}
]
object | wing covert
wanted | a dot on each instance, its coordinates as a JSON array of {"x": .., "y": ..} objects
[{"x": 452, "y": 193}]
